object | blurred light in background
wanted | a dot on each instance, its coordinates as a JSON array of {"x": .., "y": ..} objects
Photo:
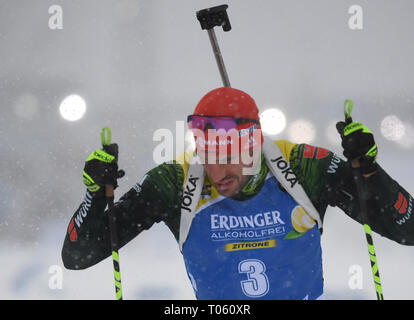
[
  {"x": 273, "y": 121},
  {"x": 301, "y": 131},
  {"x": 26, "y": 106},
  {"x": 407, "y": 140},
  {"x": 72, "y": 108},
  {"x": 392, "y": 128}
]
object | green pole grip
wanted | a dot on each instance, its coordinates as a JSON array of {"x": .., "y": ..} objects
[{"x": 106, "y": 136}]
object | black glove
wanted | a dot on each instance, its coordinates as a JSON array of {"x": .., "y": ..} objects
[
  {"x": 358, "y": 143},
  {"x": 101, "y": 168}
]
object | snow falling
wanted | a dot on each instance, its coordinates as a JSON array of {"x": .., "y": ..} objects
[{"x": 71, "y": 68}]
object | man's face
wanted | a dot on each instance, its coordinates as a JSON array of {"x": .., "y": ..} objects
[{"x": 227, "y": 175}]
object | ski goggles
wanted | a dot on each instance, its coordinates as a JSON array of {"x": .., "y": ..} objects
[
  {"x": 217, "y": 122},
  {"x": 224, "y": 134}
]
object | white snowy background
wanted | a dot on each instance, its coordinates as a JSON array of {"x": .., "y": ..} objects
[{"x": 142, "y": 65}]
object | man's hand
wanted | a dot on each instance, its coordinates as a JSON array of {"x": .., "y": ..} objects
[
  {"x": 359, "y": 145},
  {"x": 101, "y": 168}
]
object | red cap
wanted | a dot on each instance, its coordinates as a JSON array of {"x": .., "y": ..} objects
[{"x": 227, "y": 101}]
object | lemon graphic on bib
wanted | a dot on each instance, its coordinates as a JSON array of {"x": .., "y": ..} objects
[{"x": 301, "y": 223}]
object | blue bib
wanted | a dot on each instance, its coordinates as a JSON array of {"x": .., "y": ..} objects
[{"x": 261, "y": 248}]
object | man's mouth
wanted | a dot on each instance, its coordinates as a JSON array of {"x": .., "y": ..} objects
[{"x": 224, "y": 185}]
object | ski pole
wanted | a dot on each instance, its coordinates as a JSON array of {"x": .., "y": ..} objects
[
  {"x": 109, "y": 194},
  {"x": 216, "y": 17},
  {"x": 359, "y": 181}
]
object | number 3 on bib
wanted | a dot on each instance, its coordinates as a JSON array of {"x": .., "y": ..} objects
[{"x": 257, "y": 283}]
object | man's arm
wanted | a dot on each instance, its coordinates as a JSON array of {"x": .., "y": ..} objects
[
  {"x": 155, "y": 198},
  {"x": 328, "y": 180}
]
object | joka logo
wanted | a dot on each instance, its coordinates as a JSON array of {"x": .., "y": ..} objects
[
  {"x": 401, "y": 204},
  {"x": 189, "y": 193},
  {"x": 284, "y": 168}
]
